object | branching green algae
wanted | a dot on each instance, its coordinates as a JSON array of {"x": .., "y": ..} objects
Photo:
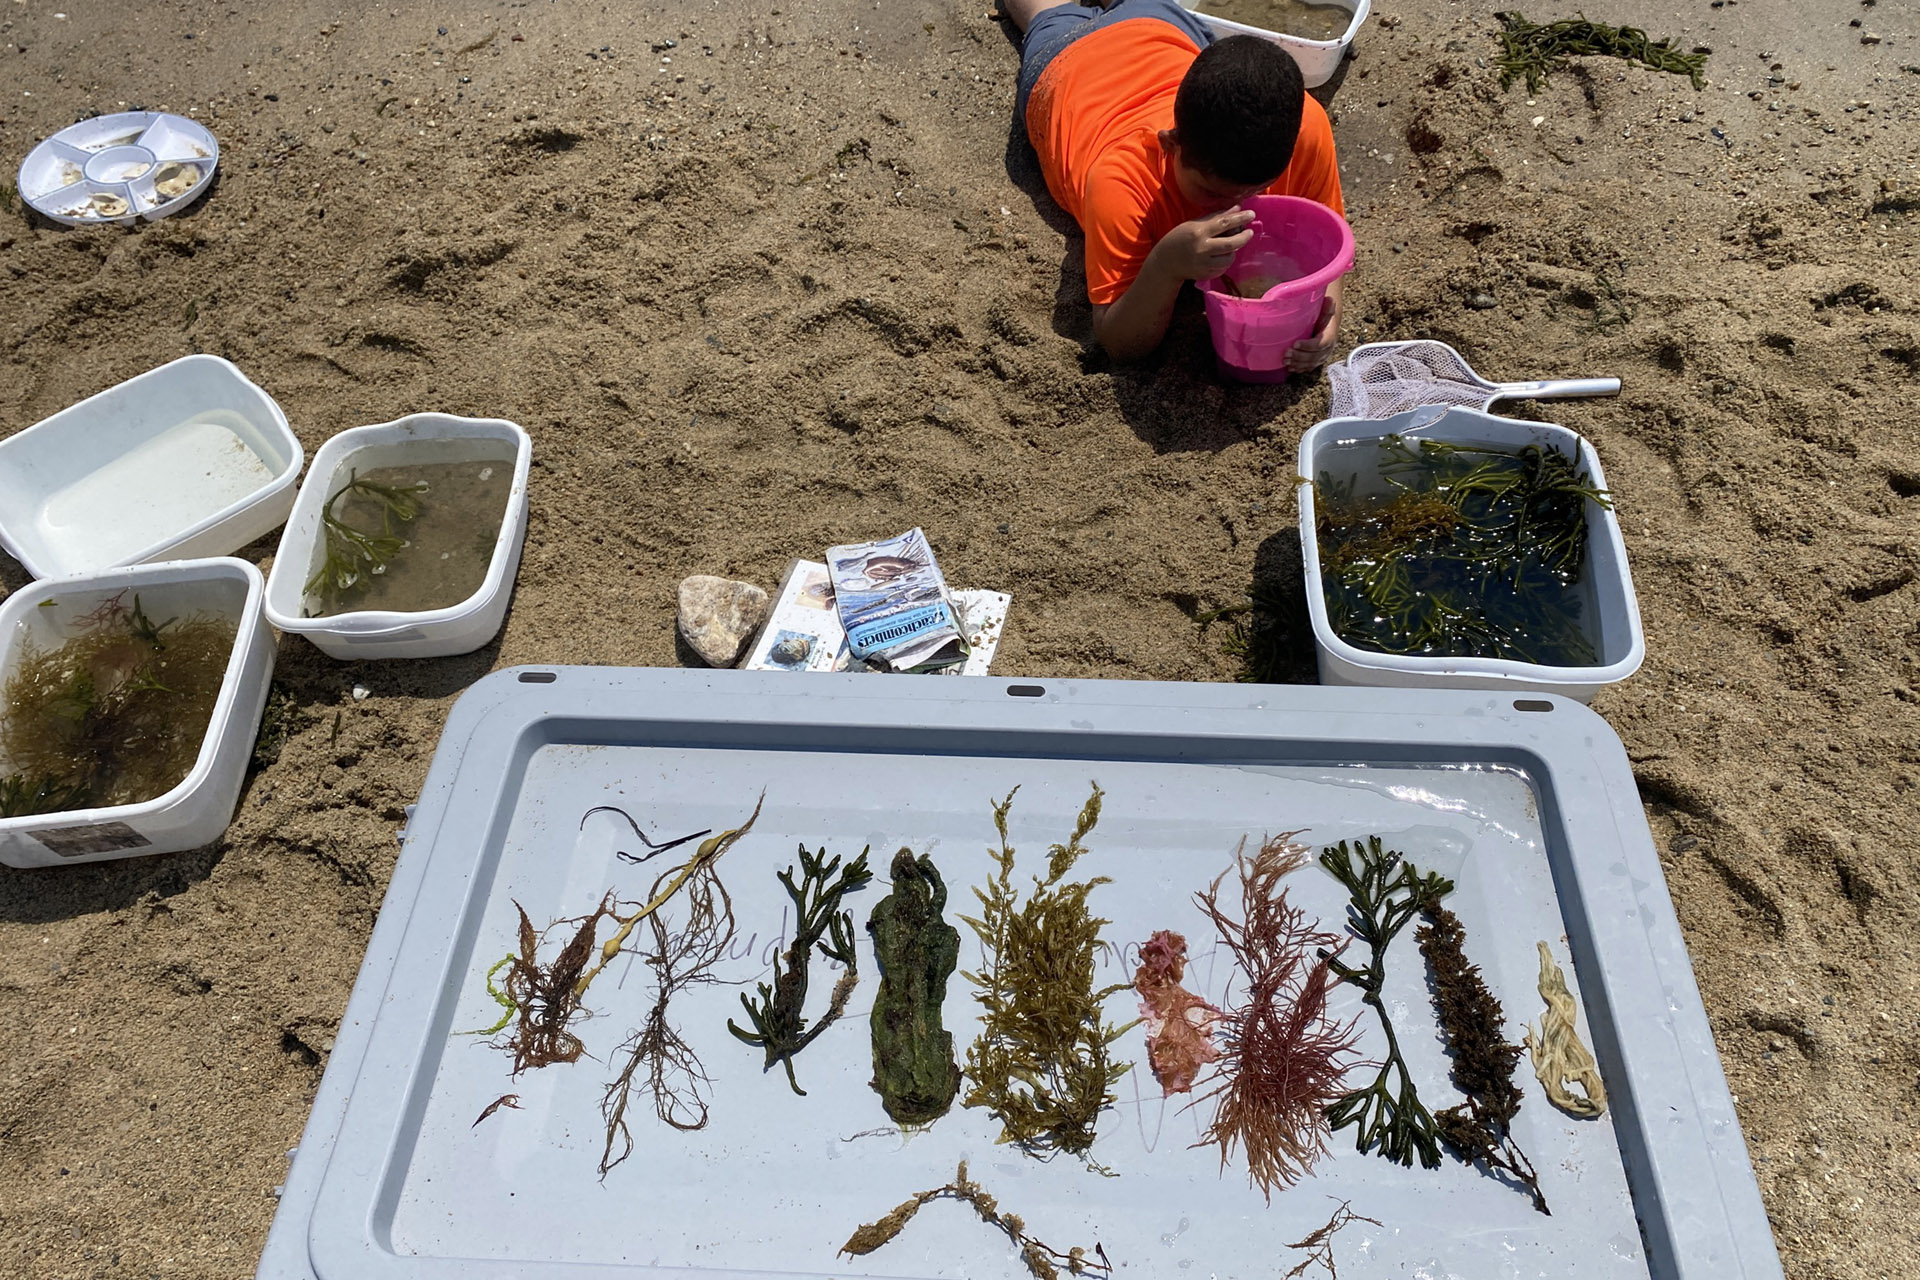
[
  {"x": 1041, "y": 1064},
  {"x": 778, "y": 1013},
  {"x": 1386, "y": 892},
  {"x": 914, "y": 1070}
]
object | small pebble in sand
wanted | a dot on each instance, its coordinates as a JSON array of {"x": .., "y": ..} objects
[{"x": 1481, "y": 301}]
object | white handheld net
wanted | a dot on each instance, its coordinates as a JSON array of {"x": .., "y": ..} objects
[{"x": 1385, "y": 378}]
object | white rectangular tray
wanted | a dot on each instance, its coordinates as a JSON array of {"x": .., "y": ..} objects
[{"x": 1528, "y": 804}]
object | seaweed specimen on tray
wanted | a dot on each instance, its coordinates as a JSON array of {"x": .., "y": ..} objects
[
  {"x": 914, "y": 1071},
  {"x": 1041, "y": 1064},
  {"x": 542, "y": 999},
  {"x": 1385, "y": 893},
  {"x": 1179, "y": 1023},
  {"x": 779, "y": 1013},
  {"x": 1042, "y": 1261},
  {"x": 1285, "y": 1055},
  {"x": 1559, "y": 1059},
  {"x": 1319, "y": 1242},
  {"x": 669, "y": 884},
  {"x": 1481, "y": 1128},
  {"x": 657, "y": 1055}
]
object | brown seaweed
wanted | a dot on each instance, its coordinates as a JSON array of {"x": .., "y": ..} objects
[
  {"x": 1480, "y": 1130},
  {"x": 1042, "y": 1261},
  {"x": 914, "y": 1071},
  {"x": 657, "y": 1054}
]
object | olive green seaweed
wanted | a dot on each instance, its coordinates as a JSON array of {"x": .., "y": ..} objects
[
  {"x": 914, "y": 1070},
  {"x": 1041, "y": 1063}
]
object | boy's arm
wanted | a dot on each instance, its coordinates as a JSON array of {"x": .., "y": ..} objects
[{"x": 1133, "y": 324}]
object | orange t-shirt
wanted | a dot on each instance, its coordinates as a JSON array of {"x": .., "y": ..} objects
[{"x": 1095, "y": 119}]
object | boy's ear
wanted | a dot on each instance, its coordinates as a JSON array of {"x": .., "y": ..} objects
[{"x": 1170, "y": 141}]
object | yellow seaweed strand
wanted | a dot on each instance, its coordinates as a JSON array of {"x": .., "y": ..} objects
[
  {"x": 708, "y": 852},
  {"x": 1558, "y": 1056}
]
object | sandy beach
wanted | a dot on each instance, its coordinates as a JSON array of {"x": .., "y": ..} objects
[{"x": 759, "y": 278}]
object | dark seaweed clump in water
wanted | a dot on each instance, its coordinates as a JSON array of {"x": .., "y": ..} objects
[
  {"x": 1473, "y": 552},
  {"x": 115, "y": 715}
]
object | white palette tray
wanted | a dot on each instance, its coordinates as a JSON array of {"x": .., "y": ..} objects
[{"x": 119, "y": 168}]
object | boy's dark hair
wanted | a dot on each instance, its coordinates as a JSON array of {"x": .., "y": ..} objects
[{"x": 1237, "y": 113}]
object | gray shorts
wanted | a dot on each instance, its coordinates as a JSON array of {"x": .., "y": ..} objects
[{"x": 1054, "y": 29}]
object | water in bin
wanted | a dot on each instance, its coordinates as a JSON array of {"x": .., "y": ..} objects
[{"x": 1299, "y": 247}]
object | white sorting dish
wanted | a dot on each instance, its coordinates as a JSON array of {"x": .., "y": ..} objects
[
  {"x": 197, "y": 810},
  {"x": 1615, "y": 626},
  {"x": 119, "y": 168},
  {"x": 190, "y": 459},
  {"x": 431, "y": 633}
]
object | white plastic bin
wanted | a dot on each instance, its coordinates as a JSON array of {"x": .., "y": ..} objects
[
  {"x": 189, "y": 459},
  {"x": 195, "y": 812},
  {"x": 1318, "y": 59},
  {"x": 1617, "y": 636},
  {"x": 370, "y": 633}
]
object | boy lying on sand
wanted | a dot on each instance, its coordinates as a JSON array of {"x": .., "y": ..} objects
[{"x": 1151, "y": 133}]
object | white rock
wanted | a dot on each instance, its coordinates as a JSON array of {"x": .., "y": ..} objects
[{"x": 719, "y": 617}]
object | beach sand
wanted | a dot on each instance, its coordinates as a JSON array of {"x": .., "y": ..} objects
[{"x": 762, "y": 278}]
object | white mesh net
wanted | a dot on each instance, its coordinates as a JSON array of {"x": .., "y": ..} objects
[{"x": 1382, "y": 379}]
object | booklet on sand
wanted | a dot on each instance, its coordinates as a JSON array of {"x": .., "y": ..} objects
[{"x": 803, "y": 631}]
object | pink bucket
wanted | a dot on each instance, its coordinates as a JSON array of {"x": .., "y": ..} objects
[{"x": 1302, "y": 247}]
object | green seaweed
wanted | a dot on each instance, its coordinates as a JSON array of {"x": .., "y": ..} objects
[
  {"x": 352, "y": 555},
  {"x": 1533, "y": 50},
  {"x": 1385, "y": 893},
  {"x": 1041, "y": 1065},
  {"x": 778, "y": 1013},
  {"x": 1475, "y": 552},
  {"x": 914, "y": 1071}
]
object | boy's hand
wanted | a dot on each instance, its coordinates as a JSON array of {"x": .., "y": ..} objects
[
  {"x": 1204, "y": 248},
  {"x": 1312, "y": 351}
]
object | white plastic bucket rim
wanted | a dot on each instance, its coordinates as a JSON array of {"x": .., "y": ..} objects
[
  {"x": 394, "y": 624},
  {"x": 132, "y": 577},
  {"x": 1368, "y": 666},
  {"x": 34, "y": 558}
]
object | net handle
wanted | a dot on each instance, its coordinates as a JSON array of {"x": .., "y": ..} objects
[{"x": 1556, "y": 389}]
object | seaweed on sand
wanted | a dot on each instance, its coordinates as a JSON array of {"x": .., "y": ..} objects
[{"x": 1531, "y": 50}]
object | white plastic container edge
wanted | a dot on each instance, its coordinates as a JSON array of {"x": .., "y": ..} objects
[
  {"x": 1619, "y": 638},
  {"x": 195, "y": 812},
  {"x": 458, "y": 628},
  {"x": 1318, "y": 59},
  {"x": 154, "y": 399}
]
